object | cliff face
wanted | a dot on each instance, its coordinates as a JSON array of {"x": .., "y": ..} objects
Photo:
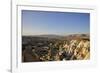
[{"x": 55, "y": 48}]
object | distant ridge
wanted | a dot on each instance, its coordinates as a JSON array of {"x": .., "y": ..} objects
[{"x": 52, "y": 36}]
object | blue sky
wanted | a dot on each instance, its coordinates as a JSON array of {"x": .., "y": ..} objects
[{"x": 59, "y": 23}]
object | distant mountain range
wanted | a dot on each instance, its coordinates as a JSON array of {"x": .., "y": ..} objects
[{"x": 51, "y": 36}]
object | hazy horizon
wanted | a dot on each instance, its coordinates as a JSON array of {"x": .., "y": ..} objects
[
  {"x": 57, "y": 34},
  {"x": 54, "y": 23}
]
